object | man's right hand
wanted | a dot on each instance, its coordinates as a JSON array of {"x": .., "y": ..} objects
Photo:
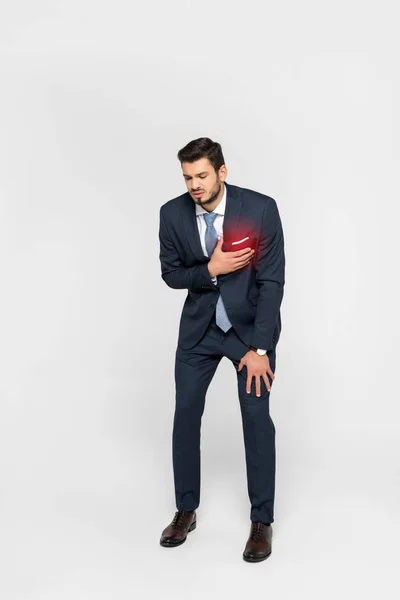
[{"x": 227, "y": 262}]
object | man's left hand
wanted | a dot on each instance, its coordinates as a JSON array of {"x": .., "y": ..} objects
[{"x": 257, "y": 366}]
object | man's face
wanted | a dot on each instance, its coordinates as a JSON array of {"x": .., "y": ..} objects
[{"x": 200, "y": 176}]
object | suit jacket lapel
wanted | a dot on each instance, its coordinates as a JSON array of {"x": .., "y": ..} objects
[
  {"x": 232, "y": 214},
  {"x": 190, "y": 226}
]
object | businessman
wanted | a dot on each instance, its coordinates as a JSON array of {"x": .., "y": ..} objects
[{"x": 225, "y": 245}]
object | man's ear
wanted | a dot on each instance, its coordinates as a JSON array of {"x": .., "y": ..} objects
[{"x": 223, "y": 172}]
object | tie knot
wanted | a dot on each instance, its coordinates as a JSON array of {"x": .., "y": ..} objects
[{"x": 210, "y": 218}]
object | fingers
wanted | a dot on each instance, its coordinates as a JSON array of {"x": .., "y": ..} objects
[
  {"x": 240, "y": 366},
  {"x": 243, "y": 252},
  {"x": 258, "y": 386},
  {"x": 245, "y": 256},
  {"x": 266, "y": 381},
  {"x": 248, "y": 383},
  {"x": 270, "y": 372},
  {"x": 242, "y": 263},
  {"x": 257, "y": 381},
  {"x": 218, "y": 246}
]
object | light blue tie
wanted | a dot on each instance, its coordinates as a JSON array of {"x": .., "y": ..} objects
[{"x": 211, "y": 241}]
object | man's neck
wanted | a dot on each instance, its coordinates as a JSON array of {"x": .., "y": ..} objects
[{"x": 213, "y": 206}]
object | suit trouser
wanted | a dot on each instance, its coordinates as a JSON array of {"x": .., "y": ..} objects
[{"x": 194, "y": 370}]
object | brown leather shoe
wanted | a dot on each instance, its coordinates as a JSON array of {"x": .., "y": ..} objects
[
  {"x": 258, "y": 545},
  {"x": 176, "y": 532}
]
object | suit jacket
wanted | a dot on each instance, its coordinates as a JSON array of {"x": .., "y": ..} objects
[{"x": 253, "y": 294}]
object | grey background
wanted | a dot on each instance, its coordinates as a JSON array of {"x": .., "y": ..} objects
[{"x": 96, "y": 99}]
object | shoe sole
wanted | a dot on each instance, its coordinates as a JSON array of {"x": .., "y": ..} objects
[
  {"x": 257, "y": 559},
  {"x": 173, "y": 544}
]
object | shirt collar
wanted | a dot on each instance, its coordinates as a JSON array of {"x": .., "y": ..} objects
[{"x": 219, "y": 210}]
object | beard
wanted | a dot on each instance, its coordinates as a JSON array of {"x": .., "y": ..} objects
[{"x": 214, "y": 195}]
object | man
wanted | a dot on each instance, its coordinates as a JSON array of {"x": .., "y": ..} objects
[{"x": 235, "y": 289}]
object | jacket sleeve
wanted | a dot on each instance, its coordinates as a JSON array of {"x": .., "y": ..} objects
[
  {"x": 175, "y": 274},
  {"x": 270, "y": 276}
]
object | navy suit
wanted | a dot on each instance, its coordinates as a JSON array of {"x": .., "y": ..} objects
[{"x": 252, "y": 297}]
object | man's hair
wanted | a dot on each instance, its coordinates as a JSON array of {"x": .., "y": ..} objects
[{"x": 202, "y": 148}]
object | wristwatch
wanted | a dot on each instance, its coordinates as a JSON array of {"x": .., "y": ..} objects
[{"x": 259, "y": 351}]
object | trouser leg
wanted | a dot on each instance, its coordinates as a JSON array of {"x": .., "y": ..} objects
[
  {"x": 259, "y": 440},
  {"x": 258, "y": 433},
  {"x": 194, "y": 371}
]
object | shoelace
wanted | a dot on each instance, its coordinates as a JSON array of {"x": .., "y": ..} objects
[
  {"x": 257, "y": 530},
  {"x": 177, "y": 520}
]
